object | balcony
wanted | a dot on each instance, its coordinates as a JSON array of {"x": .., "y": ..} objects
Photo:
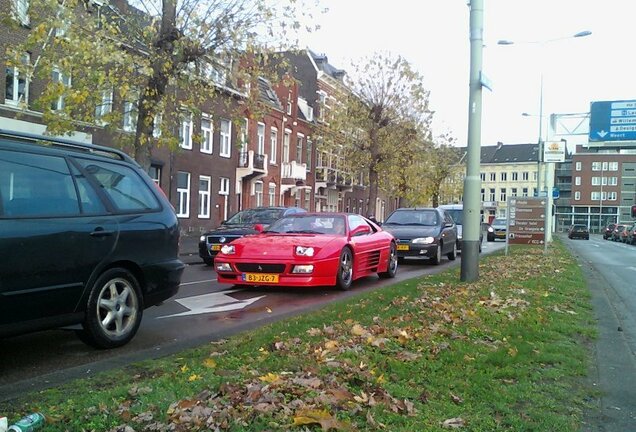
[
  {"x": 293, "y": 170},
  {"x": 251, "y": 165}
]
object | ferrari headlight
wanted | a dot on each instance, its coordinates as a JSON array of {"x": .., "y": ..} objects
[
  {"x": 423, "y": 240},
  {"x": 304, "y": 251},
  {"x": 491, "y": 229},
  {"x": 223, "y": 267},
  {"x": 303, "y": 269},
  {"x": 228, "y": 250},
  {"x": 202, "y": 238}
]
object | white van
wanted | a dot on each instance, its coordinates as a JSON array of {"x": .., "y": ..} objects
[{"x": 457, "y": 213}]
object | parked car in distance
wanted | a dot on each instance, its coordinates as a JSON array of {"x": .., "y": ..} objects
[
  {"x": 310, "y": 249},
  {"x": 86, "y": 238},
  {"x": 631, "y": 234},
  {"x": 240, "y": 224},
  {"x": 497, "y": 230},
  {"x": 457, "y": 213},
  {"x": 423, "y": 232},
  {"x": 625, "y": 234},
  {"x": 618, "y": 230},
  {"x": 579, "y": 231},
  {"x": 608, "y": 231}
]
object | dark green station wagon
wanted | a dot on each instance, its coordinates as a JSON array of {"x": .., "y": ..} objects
[{"x": 86, "y": 238}]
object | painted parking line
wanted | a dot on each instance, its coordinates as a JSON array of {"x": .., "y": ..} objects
[{"x": 197, "y": 282}]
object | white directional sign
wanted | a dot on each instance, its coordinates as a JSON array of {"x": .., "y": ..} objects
[{"x": 213, "y": 302}]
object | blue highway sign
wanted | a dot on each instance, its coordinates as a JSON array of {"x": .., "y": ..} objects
[{"x": 613, "y": 121}]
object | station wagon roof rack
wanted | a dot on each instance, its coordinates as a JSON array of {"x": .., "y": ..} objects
[{"x": 69, "y": 144}]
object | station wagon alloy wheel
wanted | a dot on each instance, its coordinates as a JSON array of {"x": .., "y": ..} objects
[{"x": 114, "y": 310}]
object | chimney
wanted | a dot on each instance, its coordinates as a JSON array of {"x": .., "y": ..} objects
[{"x": 499, "y": 145}]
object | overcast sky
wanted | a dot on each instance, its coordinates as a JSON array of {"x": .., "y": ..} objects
[{"x": 433, "y": 35}]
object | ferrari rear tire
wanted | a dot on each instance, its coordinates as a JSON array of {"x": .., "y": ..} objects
[
  {"x": 437, "y": 259},
  {"x": 344, "y": 277},
  {"x": 392, "y": 265}
]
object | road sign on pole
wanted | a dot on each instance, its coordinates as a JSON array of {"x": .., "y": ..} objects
[
  {"x": 526, "y": 221},
  {"x": 613, "y": 121}
]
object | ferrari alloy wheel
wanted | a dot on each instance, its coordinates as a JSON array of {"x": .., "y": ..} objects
[
  {"x": 392, "y": 265},
  {"x": 345, "y": 270},
  {"x": 452, "y": 254},
  {"x": 437, "y": 259}
]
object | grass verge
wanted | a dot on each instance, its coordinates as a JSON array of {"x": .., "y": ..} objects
[{"x": 504, "y": 353}]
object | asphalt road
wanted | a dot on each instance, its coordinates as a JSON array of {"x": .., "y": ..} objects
[
  {"x": 610, "y": 270},
  {"x": 202, "y": 311}
]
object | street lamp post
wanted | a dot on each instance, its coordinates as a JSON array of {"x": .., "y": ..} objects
[{"x": 540, "y": 140}]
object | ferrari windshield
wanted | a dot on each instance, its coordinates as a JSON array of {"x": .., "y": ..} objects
[
  {"x": 309, "y": 224},
  {"x": 255, "y": 216}
]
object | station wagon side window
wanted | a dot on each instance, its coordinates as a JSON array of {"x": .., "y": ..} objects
[
  {"x": 33, "y": 185},
  {"x": 122, "y": 184}
]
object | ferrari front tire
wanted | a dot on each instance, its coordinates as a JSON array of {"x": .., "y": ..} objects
[
  {"x": 344, "y": 277},
  {"x": 392, "y": 265}
]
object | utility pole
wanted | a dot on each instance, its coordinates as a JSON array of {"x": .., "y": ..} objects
[{"x": 472, "y": 182}]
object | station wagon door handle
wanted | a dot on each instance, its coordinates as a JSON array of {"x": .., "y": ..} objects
[{"x": 101, "y": 232}]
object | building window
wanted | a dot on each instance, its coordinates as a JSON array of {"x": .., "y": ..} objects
[
  {"x": 183, "y": 194},
  {"x": 207, "y": 134},
  {"x": 513, "y": 192},
  {"x": 613, "y": 181},
  {"x": 225, "y": 186},
  {"x": 64, "y": 80},
  {"x": 595, "y": 181},
  {"x": 155, "y": 174},
  {"x": 577, "y": 196},
  {"x": 613, "y": 166},
  {"x": 21, "y": 11},
  {"x": 17, "y": 87},
  {"x": 272, "y": 194},
  {"x": 535, "y": 174},
  {"x": 577, "y": 166},
  {"x": 286, "y": 138},
  {"x": 131, "y": 112},
  {"x": 299, "y": 148},
  {"x": 204, "y": 197},
  {"x": 502, "y": 194},
  {"x": 597, "y": 166},
  {"x": 524, "y": 192},
  {"x": 226, "y": 131},
  {"x": 482, "y": 176},
  {"x": 258, "y": 192},
  {"x": 105, "y": 106},
  {"x": 515, "y": 176},
  {"x": 307, "y": 200},
  {"x": 261, "y": 139},
  {"x": 289, "y": 103},
  {"x": 185, "y": 132},
  {"x": 611, "y": 196},
  {"x": 273, "y": 142},
  {"x": 492, "y": 194},
  {"x": 156, "y": 125},
  {"x": 504, "y": 176},
  {"x": 524, "y": 176},
  {"x": 493, "y": 176},
  {"x": 308, "y": 157},
  {"x": 483, "y": 195},
  {"x": 577, "y": 181}
]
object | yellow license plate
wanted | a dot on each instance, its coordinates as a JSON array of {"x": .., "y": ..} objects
[
  {"x": 260, "y": 277},
  {"x": 402, "y": 247},
  {"x": 216, "y": 247}
]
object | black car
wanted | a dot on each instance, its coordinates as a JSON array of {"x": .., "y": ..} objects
[
  {"x": 608, "y": 231},
  {"x": 239, "y": 225},
  {"x": 423, "y": 232},
  {"x": 86, "y": 238},
  {"x": 579, "y": 231}
]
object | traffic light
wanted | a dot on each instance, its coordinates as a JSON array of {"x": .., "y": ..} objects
[{"x": 634, "y": 211}]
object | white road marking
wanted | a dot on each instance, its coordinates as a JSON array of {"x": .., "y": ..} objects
[
  {"x": 197, "y": 282},
  {"x": 632, "y": 268},
  {"x": 213, "y": 302}
]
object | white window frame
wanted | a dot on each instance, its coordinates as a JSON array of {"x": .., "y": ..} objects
[
  {"x": 272, "y": 194},
  {"x": 515, "y": 176},
  {"x": 156, "y": 125},
  {"x": 204, "y": 197},
  {"x": 66, "y": 80},
  {"x": 524, "y": 192},
  {"x": 577, "y": 195},
  {"x": 300, "y": 138},
  {"x": 21, "y": 11},
  {"x": 131, "y": 113},
  {"x": 612, "y": 181},
  {"x": 16, "y": 97},
  {"x": 612, "y": 196},
  {"x": 502, "y": 194},
  {"x": 224, "y": 186},
  {"x": 273, "y": 144},
  {"x": 493, "y": 176},
  {"x": 226, "y": 139},
  {"x": 482, "y": 176},
  {"x": 207, "y": 134},
  {"x": 577, "y": 181},
  {"x": 577, "y": 166},
  {"x": 185, "y": 131},
  {"x": 503, "y": 176},
  {"x": 289, "y": 104},
  {"x": 105, "y": 106},
  {"x": 524, "y": 176},
  {"x": 597, "y": 166},
  {"x": 183, "y": 198},
  {"x": 258, "y": 193},
  {"x": 613, "y": 166},
  {"x": 260, "y": 133},
  {"x": 286, "y": 143}
]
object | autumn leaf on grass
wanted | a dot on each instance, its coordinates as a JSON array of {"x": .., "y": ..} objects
[
  {"x": 209, "y": 363},
  {"x": 271, "y": 378},
  {"x": 453, "y": 423},
  {"x": 358, "y": 330},
  {"x": 331, "y": 345},
  {"x": 194, "y": 377},
  {"x": 321, "y": 417}
]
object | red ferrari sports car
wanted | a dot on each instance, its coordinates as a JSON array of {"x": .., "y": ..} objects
[{"x": 309, "y": 249}]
